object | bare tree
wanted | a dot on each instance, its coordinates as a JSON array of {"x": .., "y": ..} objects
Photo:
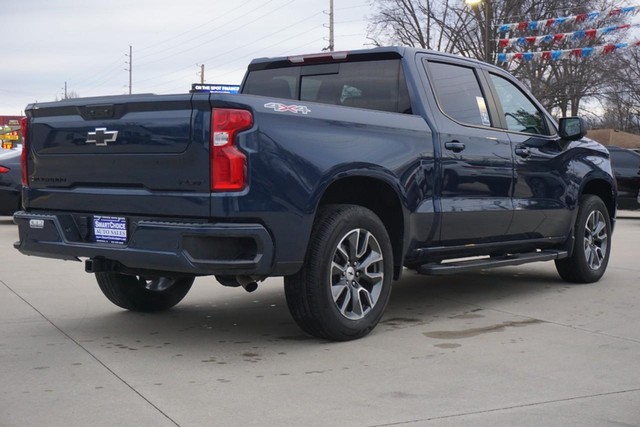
[
  {"x": 429, "y": 24},
  {"x": 562, "y": 85},
  {"x": 453, "y": 27},
  {"x": 448, "y": 25},
  {"x": 69, "y": 95},
  {"x": 620, "y": 100}
]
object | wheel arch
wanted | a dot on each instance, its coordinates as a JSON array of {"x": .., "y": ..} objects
[
  {"x": 605, "y": 190},
  {"x": 378, "y": 195}
]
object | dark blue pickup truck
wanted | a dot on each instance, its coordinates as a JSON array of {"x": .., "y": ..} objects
[{"x": 335, "y": 171}]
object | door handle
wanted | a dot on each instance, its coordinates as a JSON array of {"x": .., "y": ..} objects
[
  {"x": 455, "y": 146},
  {"x": 523, "y": 151}
]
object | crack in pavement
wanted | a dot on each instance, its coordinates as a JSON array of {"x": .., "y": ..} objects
[
  {"x": 506, "y": 408},
  {"x": 94, "y": 357}
]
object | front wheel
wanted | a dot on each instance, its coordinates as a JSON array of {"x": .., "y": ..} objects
[
  {"x": 344, "y": 286},
  {"x": 145, "y": 294},
  {"x": 592, "y": 245}
]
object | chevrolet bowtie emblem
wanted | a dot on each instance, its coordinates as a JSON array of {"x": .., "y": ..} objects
[{"x": 102, "y": 136}]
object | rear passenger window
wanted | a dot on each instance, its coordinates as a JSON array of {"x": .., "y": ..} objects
[
  {"x": 459, "y": 94},
  {"x": 375, "y": 85},
  {"x": 277, "y": 83}
]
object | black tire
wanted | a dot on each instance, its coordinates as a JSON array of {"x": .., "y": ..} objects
[
  {"x": 145, "y": 294},
  {"x": 343, "y": 288},
  {"x": 592, "y": 245}
]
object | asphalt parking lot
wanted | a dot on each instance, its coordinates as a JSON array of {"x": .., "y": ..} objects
[{"x": 512, "y": 346}]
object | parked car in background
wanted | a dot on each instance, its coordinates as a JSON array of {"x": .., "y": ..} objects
[
  {"x": 626, "y": 167},
  {"x": 10, "y": 180}
]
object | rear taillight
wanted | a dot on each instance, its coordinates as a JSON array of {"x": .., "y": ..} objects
[
  {"x": 4, "y": 170},
  {"x": 24, "y": 124},
  {"x": 228, "y": 164}
]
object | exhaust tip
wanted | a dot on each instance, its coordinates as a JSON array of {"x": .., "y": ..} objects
[{"x": 250, "y": 287}]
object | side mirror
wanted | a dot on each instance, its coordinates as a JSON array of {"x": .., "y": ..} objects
[{"x": 572, "y": 128}]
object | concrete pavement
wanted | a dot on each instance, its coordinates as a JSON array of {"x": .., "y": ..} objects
[{"x": 512, "y": 346}]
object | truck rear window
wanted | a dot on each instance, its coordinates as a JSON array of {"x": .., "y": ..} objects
[{"x": 374, "y": 85}]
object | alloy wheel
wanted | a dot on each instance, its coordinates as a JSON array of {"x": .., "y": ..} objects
[
  {"x": 596, "y": 240},
  {"x": 357, "y": 274}
]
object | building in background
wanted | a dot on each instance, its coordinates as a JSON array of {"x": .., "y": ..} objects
[
  {"x": 616, "y": 138},
  {"x": 13, "y": 121},
  {"x": 10, "y": 131}
]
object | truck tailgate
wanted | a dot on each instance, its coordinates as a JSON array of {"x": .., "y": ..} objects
[{"x": 147, "y": 154}]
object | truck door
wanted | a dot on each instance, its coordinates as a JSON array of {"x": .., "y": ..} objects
[
  {"x": 476, "y": 163},
  {"x": 541, "y": 176}
]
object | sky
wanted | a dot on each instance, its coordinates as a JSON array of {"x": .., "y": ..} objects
[{"x": 85, "y": 43}]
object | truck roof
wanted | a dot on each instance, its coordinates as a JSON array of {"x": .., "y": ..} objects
[{"x": 385, "y": 52}]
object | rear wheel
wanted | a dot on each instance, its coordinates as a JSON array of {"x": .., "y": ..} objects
[
  {"x": 592, "y": 245},
  {"x": 140, "y": 293},
  {"x": 344, "y": 286}
]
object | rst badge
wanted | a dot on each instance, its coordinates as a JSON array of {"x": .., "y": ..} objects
[
  {"x": 282, "y": 108},
  {"x": 102, "y": 136}
]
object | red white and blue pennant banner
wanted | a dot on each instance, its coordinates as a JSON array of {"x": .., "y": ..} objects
[
  {"x": 554, "y": 55},
  {"x": 554, "y": 22},
  {"x": 561, "y": 37}
]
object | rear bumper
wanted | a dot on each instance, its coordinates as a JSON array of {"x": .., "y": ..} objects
[{"x": 164, "y": 246}]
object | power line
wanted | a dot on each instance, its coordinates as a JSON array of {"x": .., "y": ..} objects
[
  {"x": 107, "y": 74},
  {"x": 252, "y": 54},
  {"x": 192, "y": 47},
  {"x": 191, "y": 29},
  {"x": 116, "y": 66},
  {"x": 289, "y": 37},
  {"x": 350, "y": 21},
  {"x": 354, "y": 7},
  {"x": 249, "y": 55},
  {"x": 243, "y": 69},
  {"x": 235, "y": 48}
]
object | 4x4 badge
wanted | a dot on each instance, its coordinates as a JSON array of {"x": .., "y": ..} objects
[
  {"x": 280, "y": 108},
  {"x": 102, "y": 136}
]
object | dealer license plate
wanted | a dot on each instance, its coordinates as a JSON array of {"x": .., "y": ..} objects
[{"x": 110, "y": 229}]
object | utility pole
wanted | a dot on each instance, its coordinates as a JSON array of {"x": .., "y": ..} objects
[
  {"x": 130, "y": 63},
  {"x": 65, "y": 91},
  {"x": 201, "y": 73},
  {"x": 331, "y": 39}
]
